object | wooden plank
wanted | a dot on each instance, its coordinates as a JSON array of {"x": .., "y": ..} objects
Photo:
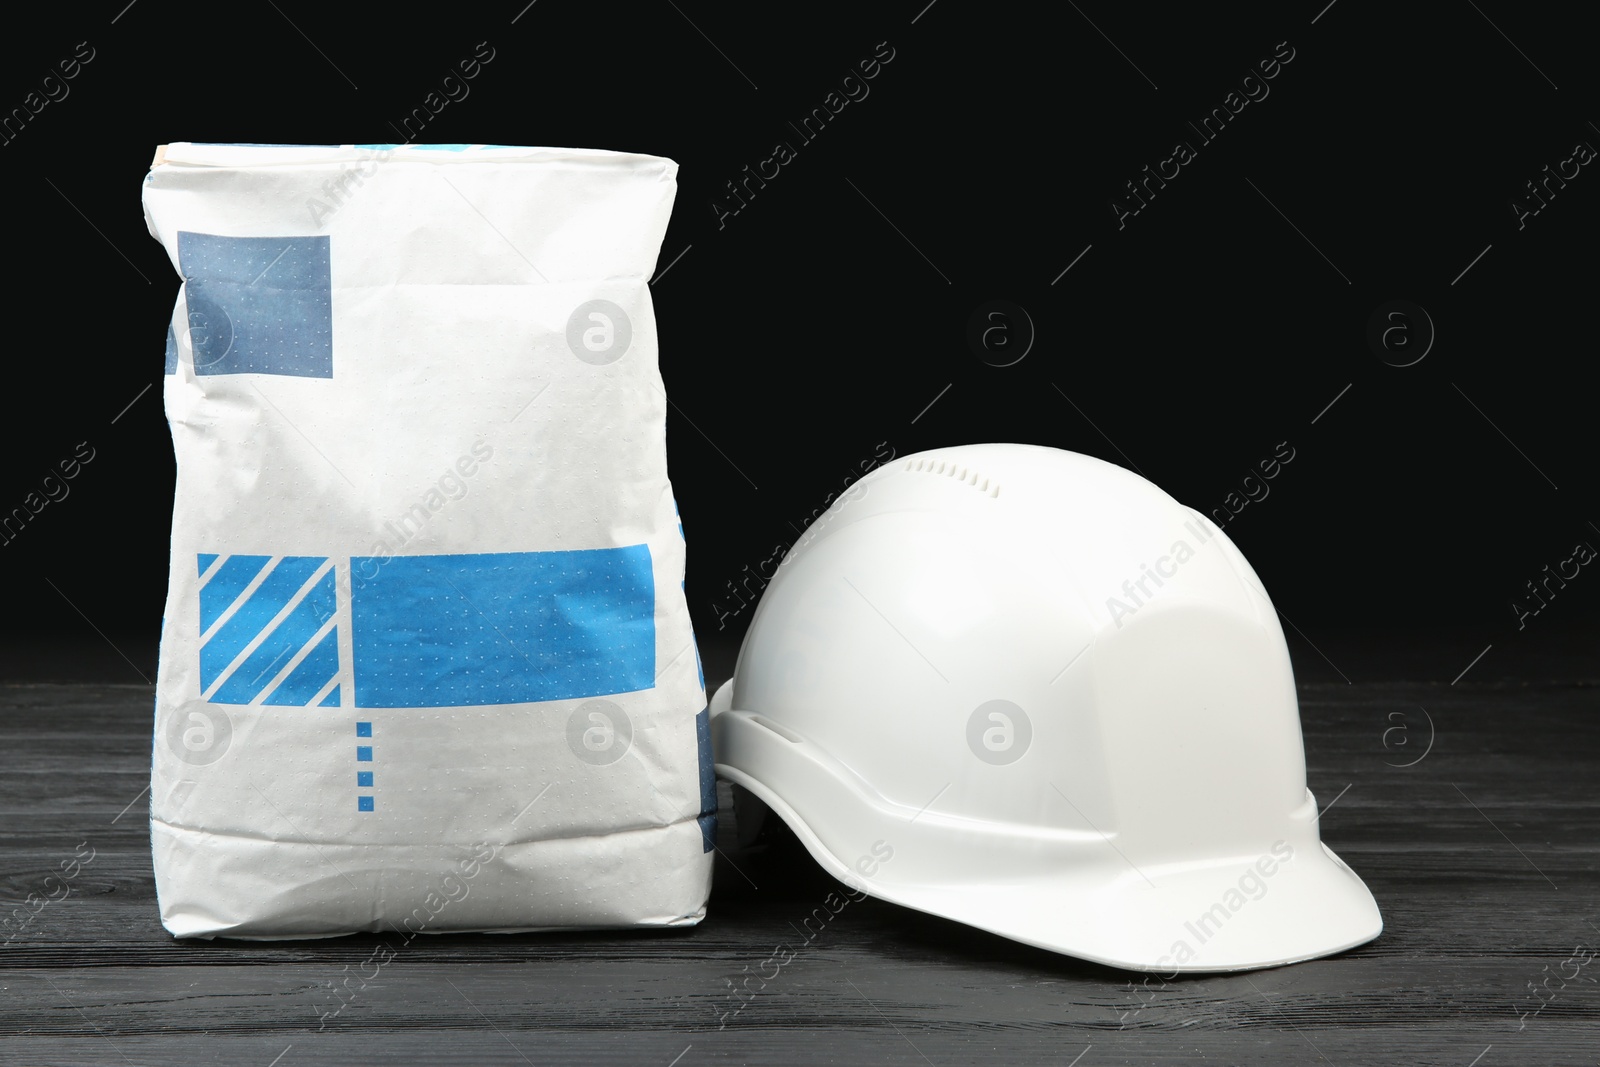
[{"x": 1485, "y": 856}]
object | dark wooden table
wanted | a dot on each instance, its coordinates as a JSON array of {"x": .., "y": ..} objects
[{"x": 1484, "y": 856}]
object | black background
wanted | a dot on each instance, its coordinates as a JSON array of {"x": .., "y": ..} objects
[
  {"x": 813, "y": 329},
  {"x": 822, "y": 325}
]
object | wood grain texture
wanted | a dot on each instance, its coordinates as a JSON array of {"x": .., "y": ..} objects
[{"x": 1484, "y": 856}]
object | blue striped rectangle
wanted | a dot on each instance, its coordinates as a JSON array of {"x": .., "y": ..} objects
[
  {"x": 271, "y": 596},
  {"x": 278, "y": 648},
  {"x": 503, "y": 628},
  {"x": 218, "y": 595},
  {"x": 302, "y": 642},
  {"x": 313, "y": 672}
]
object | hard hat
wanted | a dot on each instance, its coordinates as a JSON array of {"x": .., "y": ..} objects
[{"x": 1027, "y": 690}]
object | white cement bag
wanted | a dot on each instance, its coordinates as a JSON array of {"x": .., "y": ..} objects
[{"x": 426, "y": 662}]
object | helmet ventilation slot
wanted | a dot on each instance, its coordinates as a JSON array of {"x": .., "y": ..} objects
[{"x": 954, "y": 470}]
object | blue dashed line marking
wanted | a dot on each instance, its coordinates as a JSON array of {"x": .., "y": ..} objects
[{"x": 364, "y": 802}]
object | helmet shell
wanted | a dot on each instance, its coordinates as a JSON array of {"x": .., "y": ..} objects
[{"x": 1037, "y": 680}]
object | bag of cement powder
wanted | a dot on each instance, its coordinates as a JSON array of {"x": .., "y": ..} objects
[{"x": 426, "y": 662}]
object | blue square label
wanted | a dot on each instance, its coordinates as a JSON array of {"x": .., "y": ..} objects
[
  {"x": 363, "y": 803},
  {"x": 364, "y": 778},
  {"x": 259, "y": 305}
]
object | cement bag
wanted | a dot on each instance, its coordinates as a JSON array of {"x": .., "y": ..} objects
[{"x": 426, "y": 662}]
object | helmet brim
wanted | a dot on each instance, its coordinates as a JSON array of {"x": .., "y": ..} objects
[{"x": 1230, "y": 913}]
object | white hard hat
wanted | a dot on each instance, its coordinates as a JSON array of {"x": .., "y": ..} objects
[{"x": 1027, "y": 690}]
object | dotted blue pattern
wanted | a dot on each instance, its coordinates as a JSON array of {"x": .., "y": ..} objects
[
  {"x": 503, "y": 628},
  {"x": 259, "y": 305}
]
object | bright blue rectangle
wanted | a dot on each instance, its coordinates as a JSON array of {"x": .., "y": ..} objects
[
  {"x": 503, "y": 628},
  {"x": 363, "y": 753},
  {"x": 364, "y": 778},
  {"x": 363, "y": 803},
  {"x": 363, "y": 729}
]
